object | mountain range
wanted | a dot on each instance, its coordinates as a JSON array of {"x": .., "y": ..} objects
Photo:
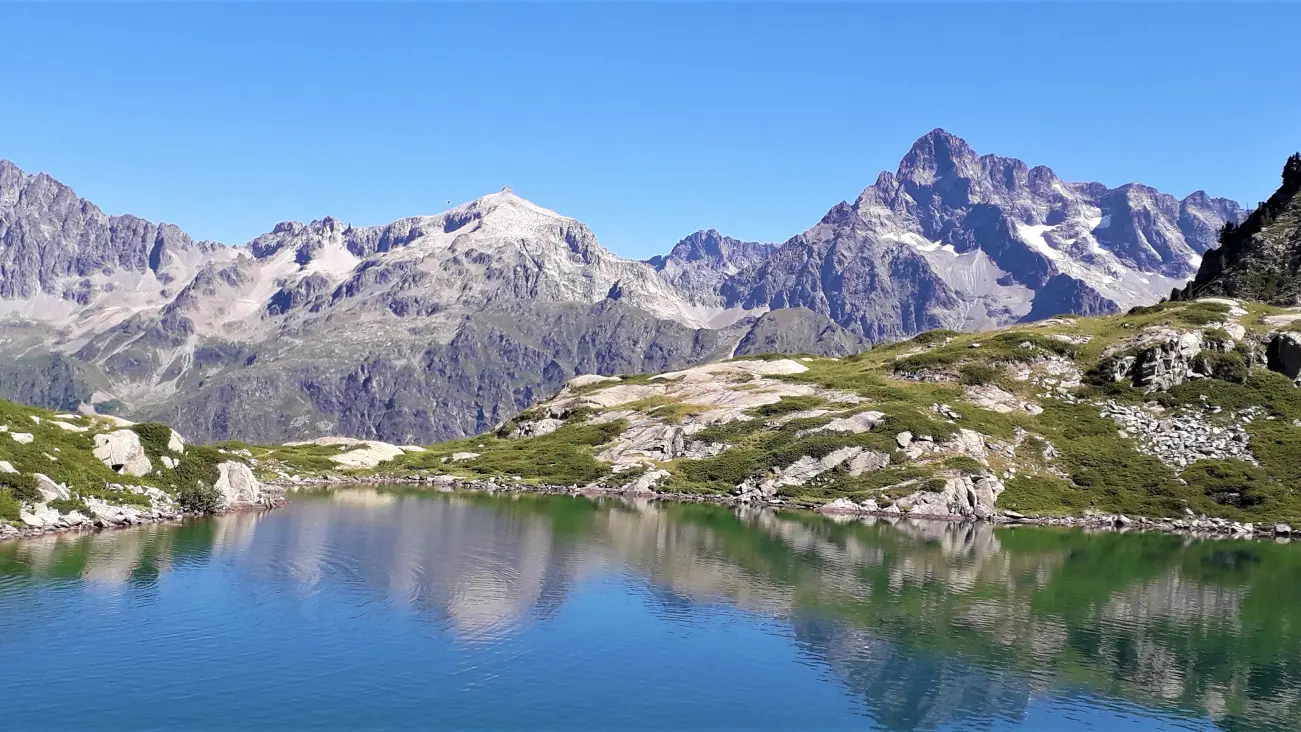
[{"x": 438, "y": 326}]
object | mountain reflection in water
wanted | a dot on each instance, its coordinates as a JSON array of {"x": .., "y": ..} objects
[{"x": 703, "y": 612}]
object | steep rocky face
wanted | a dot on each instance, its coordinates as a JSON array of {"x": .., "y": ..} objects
[
  {"x": 967, "y": 241},
  {"x": 1260, "y": 258},
  {"x": 792, "y": 330},
  {"x": 699, "y": 263},
  {"x": 880, "y": 289}
]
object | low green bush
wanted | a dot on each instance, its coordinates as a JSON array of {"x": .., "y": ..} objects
[
  {"x": 23, "y": 488},
  {"x": 68, "y": 505},
  {"x": 9, "y": 506},
  {"x": 199, "y": 497}
]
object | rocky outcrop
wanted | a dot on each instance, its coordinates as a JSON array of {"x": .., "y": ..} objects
[
  {"x": 995, "y": 399},
  {"x": 1160, "y": 358},
  {"x": 961, "y": 497},
  {"x": 1258, "y": 259},
  {"x": 121, "y": 451},
  {"x": 237, "y": 485},
  {"x": 1284, "y": 354}
]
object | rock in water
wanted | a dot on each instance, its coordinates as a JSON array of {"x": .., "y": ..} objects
[{"x": 122, "y": 452}]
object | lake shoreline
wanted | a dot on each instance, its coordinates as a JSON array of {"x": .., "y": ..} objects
[
  {"x": 1193, "y": 526},
  {"x": 94, "y": 526}
]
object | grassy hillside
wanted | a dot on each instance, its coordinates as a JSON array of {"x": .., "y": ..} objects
[
  {"x": 1162, "y": 411},
  {"x": 1043, "y": 401}
]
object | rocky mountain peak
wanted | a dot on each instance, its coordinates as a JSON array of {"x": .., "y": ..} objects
[{"x": 938, "y": 154}]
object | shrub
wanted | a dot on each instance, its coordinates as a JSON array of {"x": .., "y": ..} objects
[
  {"x": 9, "y": 506},
  {"x": 154, "y": 438},
  {"x": 23, "y": 488},
  {"x": 978, "y": 374},
  {"x": 1227, "y": 482},
  {"x": 722, "y": 472},
  {"x": 932, "y": 336},
  {"x": 964, "y": 463},
  {"x": 68, "y": 505},
  {"x": 199, "y": 497},
  {"x": 1229, "y": 366},
  {"x": 789, "y": 404}
]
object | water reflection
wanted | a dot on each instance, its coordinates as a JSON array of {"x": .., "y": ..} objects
[{"x": 927, "y": 624}]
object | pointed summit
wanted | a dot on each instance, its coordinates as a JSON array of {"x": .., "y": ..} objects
[{"x": 938, "y": 154}]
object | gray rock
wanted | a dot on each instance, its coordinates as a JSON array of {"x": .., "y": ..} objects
[
  {"x": 122, "y": 452},
  {"x": 237, "y": 485},
  {"x": 1284, "y": 354}
]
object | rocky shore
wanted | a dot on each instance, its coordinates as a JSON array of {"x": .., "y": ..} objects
[
  {"x": 1190, "y": 525},
  {"x": 123, "y": 517}
]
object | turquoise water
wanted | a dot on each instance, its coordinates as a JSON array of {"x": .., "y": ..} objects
[{"x": 374, "y": 609}]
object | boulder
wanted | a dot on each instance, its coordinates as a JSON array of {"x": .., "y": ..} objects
[
  {"x": 5, "y": 467},
  {"x": 66, "y": 427},
  {"x": 995, "y": 399},
  {"x": 646, "y": 482},
  {"x": 237, "y": 485},
  {"x": 1284, "y": 354},
  {"x": 22, "y": 438},
  {"x": 904, "y": 439},
  {"x": 122, "y": 452},
  {"x": 964, "y": 496},
  {"x": 368, "y": 455},
  {"x": 175, "y": 443},
  {"x": 841, "y": 505},
  {"x": 50, "y": 490},
  {"x": 459, "y": 456},
  {"x": 867, "y": 461},
  {"x": 1162, "y": 358},
  {"x": 855, "y": 423},
  {"x": 537, "y": 427}
]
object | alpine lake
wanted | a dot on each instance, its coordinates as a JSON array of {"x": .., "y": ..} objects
[{"x": 391, "y": 608}]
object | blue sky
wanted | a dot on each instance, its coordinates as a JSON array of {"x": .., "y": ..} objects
[{"x": 646, "y": 122}]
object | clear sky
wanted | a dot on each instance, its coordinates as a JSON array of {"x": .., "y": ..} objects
[{"x": 646, "y": 122}]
